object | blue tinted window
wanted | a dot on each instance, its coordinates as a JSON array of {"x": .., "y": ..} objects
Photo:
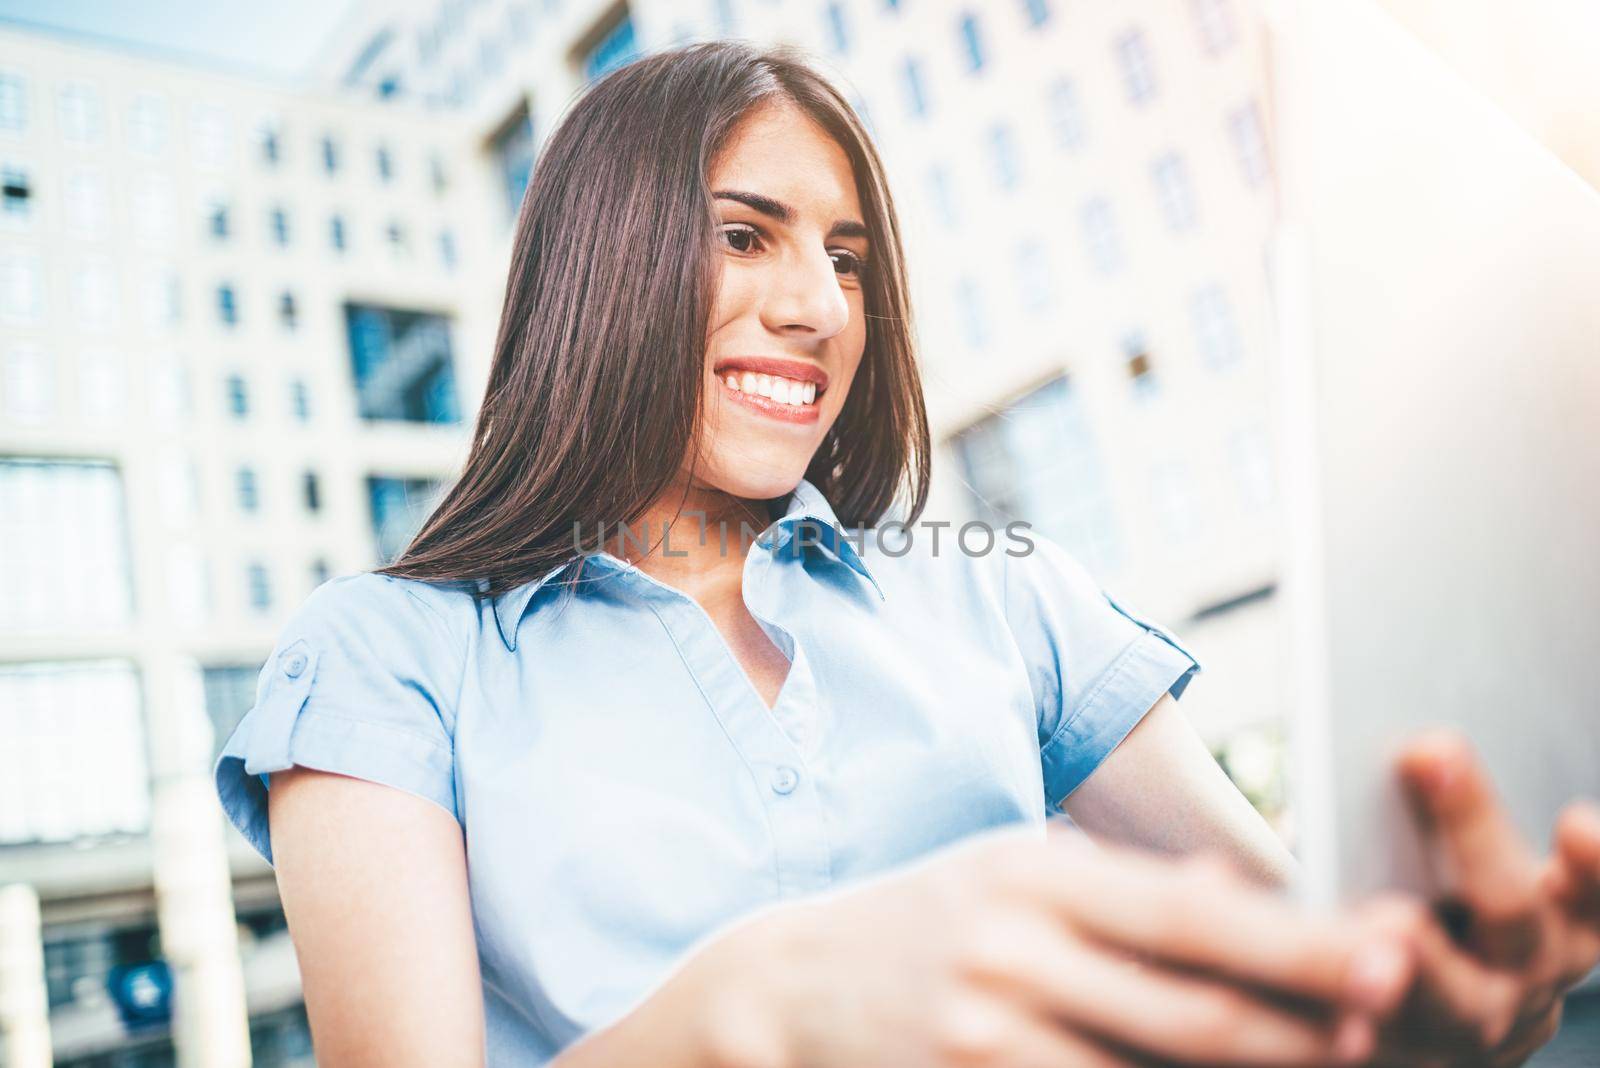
[
  {"x": 1101, "y": 236},
  {"x": 615, "y": 47},
  {"x": 1066, "y": 114},
  {"x": 1133, "y": 56},
  {"x": 249, "y": 497},
  {"x": 403, "y": 364},
  {"x": 838, "y": 33},
  {"x": 971, "y": 42},
  {"x": 336, "y": 235},
  {"x": 227, "y": 306},
  {"x": 1037, "y": 11},
  {"x": 916, "y": 96},
  {"x": 1038, "y": 461},
  {"x": 260, "y": 587},
  {"x": 1003, "y": 156},
  {"x": 513, "y": 152},
  {"x": 238, "y": 396}
]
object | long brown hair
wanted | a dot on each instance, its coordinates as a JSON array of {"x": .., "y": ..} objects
[{"x": 595, "y": 392}]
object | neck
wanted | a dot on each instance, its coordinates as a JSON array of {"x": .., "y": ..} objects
[{"x": 691, "y": 533}]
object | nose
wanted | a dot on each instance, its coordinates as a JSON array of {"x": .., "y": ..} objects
[{"x": 804, "y": 297}]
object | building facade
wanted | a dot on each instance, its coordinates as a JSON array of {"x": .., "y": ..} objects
[{"x": 245, "y": 328}]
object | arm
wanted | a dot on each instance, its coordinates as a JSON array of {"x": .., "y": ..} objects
[
  {"x": 374, "y": 886},
  {"x": 1161, "y": 790}
]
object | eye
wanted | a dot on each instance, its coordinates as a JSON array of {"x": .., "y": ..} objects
[
  {"x": 748, "y": 234},
  {"x": 857, "y": 265}
]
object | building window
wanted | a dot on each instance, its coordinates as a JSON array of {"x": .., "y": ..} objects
[
  {"x": 321, "y": 572},
  {"x": 1136, "y": 358},
  {"x": 512, "y": 148},
  {"x": 1133, "y": 56},
  {"x": 1003, "y": 156},
  {"x": 447, "y": 250},
  {"x": 311, "y": 486},
  {"x": 385, "y": 163},
  {"x": 65, "y": 565},
  {"x": 248, "y": 490},
  {"x": 336, "y": 235},
  {"x": 13, "y": 102},
  {"x": 1174, "y": 191},
  {"x": 148, "y": 124},
  {"x": 1036, "y": 11},
  {"x": 278, "y": 226},
  {"x": 404, "y": 368},
  {"x": 227, "y": 306},
  {"x": 1037, "y": 461},
  {"x": 269, "y": 142},
  {"x": 838, "y": 32},
  {"x": 1035, "y": 276},
  {"x": 916, "y": 94},
  {"x": 94, "y": 294},
  {"x": 21, "y": 295},
  {"x": 437, "y": 175},
  {"x": 163, "y": 298},
  {"x": 288, "y": 313},
  {"x": 610, "y": 47},
  {"x": 395, "y": 234},
  {"x": 73, "y": 766},
  {"x": 1249, "y": 143},
  {"x": 212, "y": 136},
  {"x": 238, "y": 394},
  {"x": 86, "y": 203},
  {"x": 974, "y": 318},
  {"x": 258, "y": 584},
  {"x": 27, "y": 382},
  {"x": 971, "y": 42},
  {"x": 399, "y": 505},
  {"x": 81, "y": 121},
  {"x": 330, "y": 156},
  {"x": 1177, "y": 500},
  {"x": 1101, "y": 236},
  {"x": 942, "y": 192},
  {"x": 230, "y": 692},
  {"x": 1216, "y": 25},
  {"x": 1066, "y": 114},
  {"x": 1250, "y": 456},
  {"x": 1215, "y": 330},
  {"x": 300, "y": 400},
  {"x": 16, "y": 194},
  {"x": 217, "y": 220}
]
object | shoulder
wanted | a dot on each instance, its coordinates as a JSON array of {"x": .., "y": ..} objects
[{"x": 409, "y": 610}]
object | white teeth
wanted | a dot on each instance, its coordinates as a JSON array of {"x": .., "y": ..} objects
[{"x": 781, "y": 390}]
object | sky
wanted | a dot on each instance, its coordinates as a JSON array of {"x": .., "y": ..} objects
[{"x": 278, "y": 39}]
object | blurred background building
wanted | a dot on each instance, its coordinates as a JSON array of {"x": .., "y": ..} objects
[{"x": 246, "y": 325}]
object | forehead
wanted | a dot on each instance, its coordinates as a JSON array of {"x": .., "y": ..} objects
[{"x": 780, "y": 151}]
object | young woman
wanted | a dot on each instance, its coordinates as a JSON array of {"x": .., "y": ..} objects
[{"x": 686, "y": 798}]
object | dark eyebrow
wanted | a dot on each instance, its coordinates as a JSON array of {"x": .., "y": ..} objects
[{"x": 777, "y": 209}]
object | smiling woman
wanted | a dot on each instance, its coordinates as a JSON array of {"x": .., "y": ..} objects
[{"x": 779, "y": 803}]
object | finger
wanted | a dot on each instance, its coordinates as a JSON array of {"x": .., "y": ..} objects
[
  {"x": 1169, "y": 1015},
  {"x": 995, "y": 1030},
  {"x": 1487, "y": 864},
  {"x": 1577, "y": 849},
  {"x": 1455, "y": 996},
  {"x": 1200, "y": 914}
]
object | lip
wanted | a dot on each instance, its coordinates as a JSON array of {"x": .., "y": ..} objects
[{"x": 798, "y": 370}]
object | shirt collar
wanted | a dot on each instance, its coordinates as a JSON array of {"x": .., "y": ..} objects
[{"x": 806, "y": 502}]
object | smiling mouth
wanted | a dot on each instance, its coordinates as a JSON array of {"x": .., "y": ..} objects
[
  {"x": 776, "y": 388},
  {"x": 785, "y": 389}
]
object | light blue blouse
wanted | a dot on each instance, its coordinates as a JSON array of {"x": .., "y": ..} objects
[{"x": 623, "y": 790}]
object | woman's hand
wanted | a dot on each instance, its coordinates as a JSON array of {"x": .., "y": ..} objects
[
  {"x": 1525, "y": 930},
  {"x": 1019, "y": 949}
]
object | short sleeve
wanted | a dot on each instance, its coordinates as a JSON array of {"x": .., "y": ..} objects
[
  {"x": 363, "y": 682},
  {"x": 1095, "y": 667}
]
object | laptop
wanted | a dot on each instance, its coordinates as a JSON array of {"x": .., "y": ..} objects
[{"x": 1437, "y": 285}]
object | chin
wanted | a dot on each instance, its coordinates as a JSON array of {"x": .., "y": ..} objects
[{"x": 755, "y": 473}]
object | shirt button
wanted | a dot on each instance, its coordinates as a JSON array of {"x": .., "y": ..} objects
[
  {"x": 294, "y": 664},
  {"x": 785, "y": 779}
]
